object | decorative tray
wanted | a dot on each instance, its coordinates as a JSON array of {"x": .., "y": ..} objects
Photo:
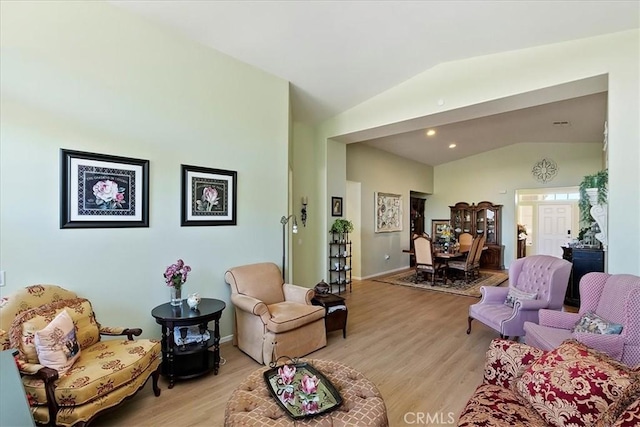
[{"x": 301, "y": 390}]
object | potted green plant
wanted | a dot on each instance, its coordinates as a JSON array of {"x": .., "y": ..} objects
[
  {"x": 599, "y": 181},
  {"x": 340, "y": 227}
]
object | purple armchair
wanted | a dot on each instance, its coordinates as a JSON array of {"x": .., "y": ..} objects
[
  {"x": 547, "y": 276},
  {"x": 615, "y": 298}
]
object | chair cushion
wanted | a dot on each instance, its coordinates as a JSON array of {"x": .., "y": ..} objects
[
  {"x": 100, "y": 369},
  {"x": 56, "y": 344},
  {"x": 287, "y": 315},
  {"x": 493, "y": 405},
  {"x": 592, "y": 323},
  {"x": 518, "y": 295},
  {"x": 574, "y": 385},
  {"x": 26, "y": 324}
]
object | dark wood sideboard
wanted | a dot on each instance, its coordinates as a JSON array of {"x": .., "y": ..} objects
[{"x": 584, "y": 260}]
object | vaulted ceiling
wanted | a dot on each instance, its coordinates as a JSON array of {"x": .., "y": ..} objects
[{"x": 337, "y": 54}]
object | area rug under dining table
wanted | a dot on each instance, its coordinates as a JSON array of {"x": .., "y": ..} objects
[{"x": 456, "y": 286}]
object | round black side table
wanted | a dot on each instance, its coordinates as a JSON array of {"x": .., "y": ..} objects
[{"x": 182, "y": 361}]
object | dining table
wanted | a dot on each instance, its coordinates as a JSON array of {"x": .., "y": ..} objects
[{"x": 444, "y": 257}]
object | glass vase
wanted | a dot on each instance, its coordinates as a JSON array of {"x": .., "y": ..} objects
[{"x": 176, "y": 295}]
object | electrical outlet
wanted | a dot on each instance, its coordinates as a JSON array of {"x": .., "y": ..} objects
[
  {"x": 386, "y": 256},
  {"x": 2, "y": 279}
]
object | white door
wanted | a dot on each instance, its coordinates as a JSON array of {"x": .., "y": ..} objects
[{"x": 554, "y": 221}]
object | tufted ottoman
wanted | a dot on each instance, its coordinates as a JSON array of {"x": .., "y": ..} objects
[{"x": 251, "y": 403}]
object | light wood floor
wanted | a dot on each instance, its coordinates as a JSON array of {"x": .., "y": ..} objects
[{"x": 410, "y": 342}]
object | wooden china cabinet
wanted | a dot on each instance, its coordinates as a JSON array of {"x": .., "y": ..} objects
[{"x": 483, "y": 218}]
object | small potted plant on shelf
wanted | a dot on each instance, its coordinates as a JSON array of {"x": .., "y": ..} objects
[{"x": 339, "y": 228}]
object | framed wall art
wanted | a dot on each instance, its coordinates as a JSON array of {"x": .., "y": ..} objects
[
  {"x": 103, "y": 191},
  {"x": 336, "y": 206},
  {"x": 437, "y": 226},
  {"x": 209, "y": 196},
  {"x": 388, "y": 212}
]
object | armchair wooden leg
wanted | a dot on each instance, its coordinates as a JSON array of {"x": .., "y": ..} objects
[
  {"x": 154, "y": 381},
  {"x": 469, "y": 328}
]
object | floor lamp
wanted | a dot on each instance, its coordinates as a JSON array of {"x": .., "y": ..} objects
[{"x": 284, "y": 220}]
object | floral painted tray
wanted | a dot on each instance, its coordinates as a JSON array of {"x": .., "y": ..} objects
[{"x": 301, "y": 390}]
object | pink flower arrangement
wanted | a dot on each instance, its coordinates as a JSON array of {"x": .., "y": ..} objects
[
  {"x": 176, "y": 274},
  {"x": 306, "y": 389}
]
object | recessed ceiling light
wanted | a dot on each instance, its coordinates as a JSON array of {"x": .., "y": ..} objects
[
  {"x": 452, "y": 145},
  {"x": 431, "y": 132}
]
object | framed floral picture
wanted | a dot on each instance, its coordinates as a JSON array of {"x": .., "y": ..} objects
[
  {"x": 208, "y": 196},
  {"x": 103, "y": 191},
  {"x": 388, "y": 212},
  {"x": 438, "y": 226}
]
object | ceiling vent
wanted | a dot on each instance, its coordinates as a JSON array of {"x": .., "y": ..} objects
[{"x": 561, "y": 124}]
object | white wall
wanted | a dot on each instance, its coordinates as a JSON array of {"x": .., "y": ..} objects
[
  {"x": 474, "y": 81},
  {"x": 380, "y": 171},
  {"x": 91, "y": 77}
]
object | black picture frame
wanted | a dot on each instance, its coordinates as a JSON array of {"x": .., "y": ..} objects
[
  {"x": 209, "y": 196},
  {"x": 103, "y": 191},
  {"x": 336, "y": 206}
]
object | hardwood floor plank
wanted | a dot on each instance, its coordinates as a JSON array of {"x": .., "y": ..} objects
[{"x": 410, "y": 342}]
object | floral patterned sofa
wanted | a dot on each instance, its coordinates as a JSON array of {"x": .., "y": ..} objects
[
  {"x": 102, "y": 374},
  {"x": 572, "y": 385}
]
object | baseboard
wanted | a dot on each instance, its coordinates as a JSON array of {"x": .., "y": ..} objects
[
  {"x": 384, "y": 273},
  {"x": 226, "y": 339}
]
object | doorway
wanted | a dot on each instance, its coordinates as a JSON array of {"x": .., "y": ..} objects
[
  {"x": 550, "y": 217},
  {"x": 416, "y": 221},
  {"x": 554, "y": 225}
]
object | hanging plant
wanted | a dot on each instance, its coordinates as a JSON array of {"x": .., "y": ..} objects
[{"x": 598, "y": 180}]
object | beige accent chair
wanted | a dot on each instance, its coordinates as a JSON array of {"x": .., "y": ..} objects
[
  {"x": 273, "y": 318},
  {"x": 425, "y": 262},
  {"x": 106, "y": 373}
]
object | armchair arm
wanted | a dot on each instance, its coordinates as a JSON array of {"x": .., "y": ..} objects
[
  {"x": 297, "y": 293},
  {"x": 493, "y": 295},
  {"x": 530, "y": 304},
  {"x": 129, "y": 332},
  {"x": 507, "y": 360},
  {"x": 557, "y": 319},
  {"x": 251, "y": 305},
  {"x": 49, "y": 376}
]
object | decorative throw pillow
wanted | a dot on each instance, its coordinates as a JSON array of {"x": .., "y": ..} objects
[
  {"x": 56, "y": 344},
  {"x": 591, "y": 322},
  {"x": 574, "y": 385},
  {"x": 516, "y": 294}
]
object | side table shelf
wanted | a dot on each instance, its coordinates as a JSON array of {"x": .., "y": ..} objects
[
  {"x": 193, "y": 359},
  {"x": 340, "y": 262}
]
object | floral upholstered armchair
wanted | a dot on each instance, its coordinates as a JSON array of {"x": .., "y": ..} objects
[
  {"x": 84, "y": 375},
  {"x": 571, "y": 385}
]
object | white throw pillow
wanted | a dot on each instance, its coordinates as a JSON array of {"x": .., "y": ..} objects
[
  {"x": 56, "y": 344},
  {"x": 516, "y": 294}
]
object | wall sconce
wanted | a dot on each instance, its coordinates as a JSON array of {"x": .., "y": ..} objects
[
  {"x": 284, "y": 220},
  {"x": 303, "y": 211}
]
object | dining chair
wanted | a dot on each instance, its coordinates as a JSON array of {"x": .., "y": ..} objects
[
  {"x": 425, "y": 261},
  {"x": 465, "y": 240},
  {"x": 471, "y": 264}
]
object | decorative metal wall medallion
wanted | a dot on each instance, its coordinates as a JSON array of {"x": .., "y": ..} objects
[{"x": 545, "y": 170}]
